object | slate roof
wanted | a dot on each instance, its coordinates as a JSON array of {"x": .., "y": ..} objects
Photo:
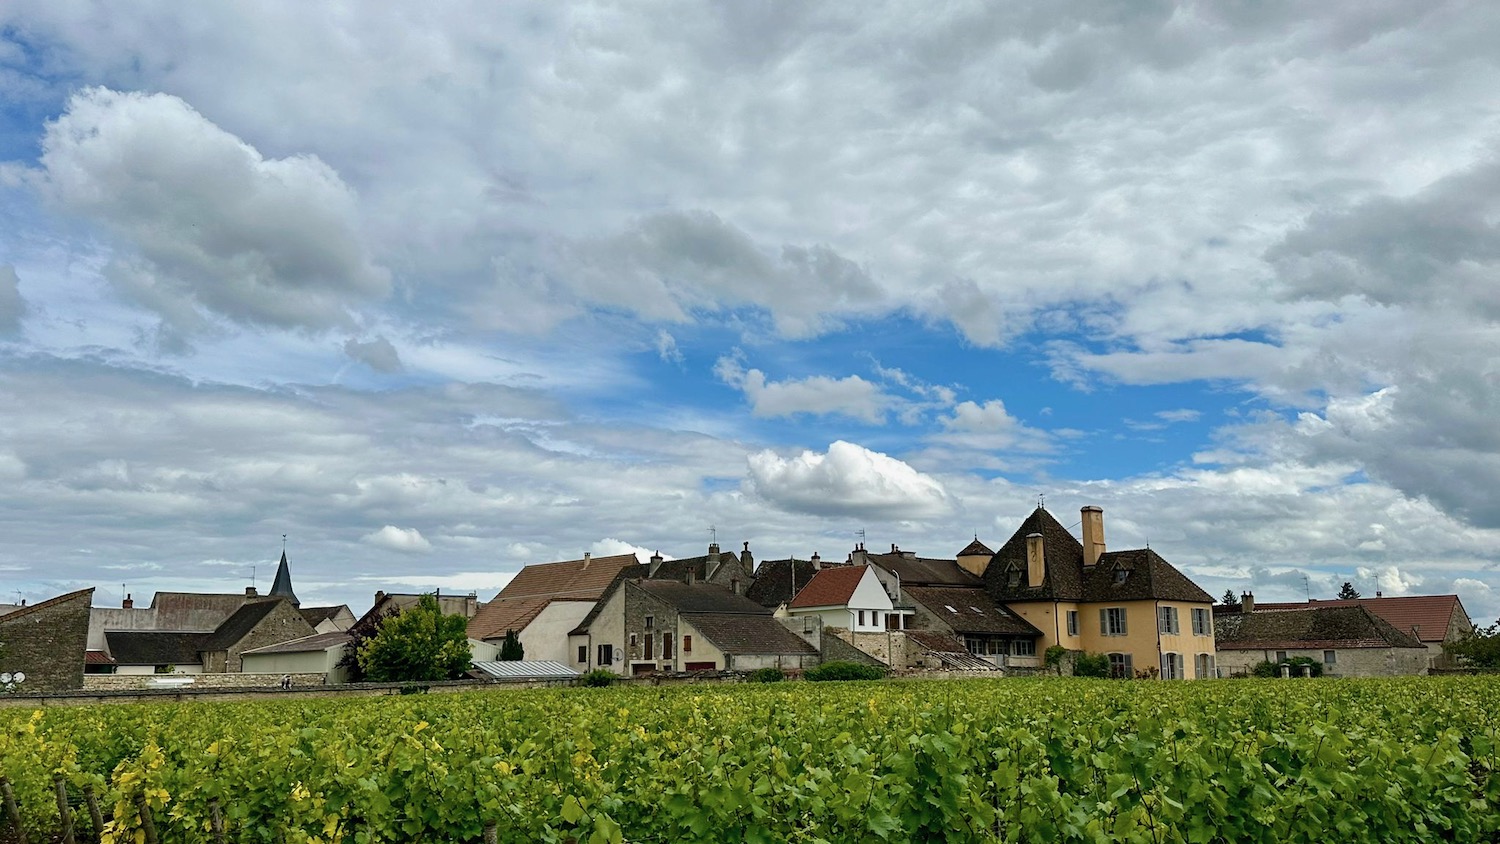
[
  {"x": 1313, "y": 628},
  {"x": 832, "y": 587},
  {"x": 702, "y": 598},
  {"x": 154, "y": 647},
  {"x": 926, "y": 571},
  {"x": 281, "y": 587},
  {"x": 973, "y": 611},
  {"x": 306, "y": 644},
  {"x": 735, "y": 633},
  {"x": 1146, "y": 576},
  {"x": 1063, "y": 553},
  {"x": 585, "y": 579},
  {"x": 666, "y": 571},
  {"x": 949, "y": 651},
  {"x": 776, "y": 581},
  {"x": 1430, "y": 614},
  {"x": 975, "y": 547}
]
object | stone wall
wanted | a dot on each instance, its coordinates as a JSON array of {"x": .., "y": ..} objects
[
  {"x": 134, "y": 682},
  {"x": 834, "y": 648},
  {"x": 282, "y": 624},
  {"x": 638, "y": 604},
  {"x": 47, "y": 641}
]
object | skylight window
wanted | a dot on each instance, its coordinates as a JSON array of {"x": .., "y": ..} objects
[{"x": 950, "y": 609}]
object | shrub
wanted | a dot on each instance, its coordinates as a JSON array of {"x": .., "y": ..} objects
[
  {"x": 839, "y": 670},
  {"x": 1054, "y": 656},
  {"x": 766, "y": 675},
  {"x": 1091, "y": 665},
  {"x": 598, "y": 677}
]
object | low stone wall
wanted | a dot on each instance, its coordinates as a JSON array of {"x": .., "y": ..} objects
[{"x": 133, "y": 682}]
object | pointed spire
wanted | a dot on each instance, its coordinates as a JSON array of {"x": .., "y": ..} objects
[{"x": 282, "y": 587}]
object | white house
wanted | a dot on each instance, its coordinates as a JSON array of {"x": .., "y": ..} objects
[{"x": 850, "y": 597}]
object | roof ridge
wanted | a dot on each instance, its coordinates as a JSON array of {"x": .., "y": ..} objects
[{"x": 50, "y": 602}]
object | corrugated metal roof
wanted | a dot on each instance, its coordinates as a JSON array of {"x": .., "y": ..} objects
[{"x": 540, "y": 669}]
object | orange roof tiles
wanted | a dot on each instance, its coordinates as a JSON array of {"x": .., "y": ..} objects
[
  {"x": 1429, "y": 614},
  {"x": 586, "y": 579},
  {"x": 830, "y": 587}
]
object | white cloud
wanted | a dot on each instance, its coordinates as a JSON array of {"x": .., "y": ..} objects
[
  {"x": 666, "y": 347},
  {"x": 398, "y": 539},
  {"x": 989, "y": 427},
  {"x": 611, "y": 547},
  {"x": 817, "y": 395},
  {"x": 848, "y": 480},
  {"x": 207, "y": 225}
]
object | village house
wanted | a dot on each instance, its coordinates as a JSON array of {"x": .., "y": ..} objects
[
  {"x": 1132, "y": 605},
  {"x": 546, "y": 600},
  {"x": 1348, "y": 640},
  {"x": 1435, "y": 620},
  {"x": 257, "y": 623}
]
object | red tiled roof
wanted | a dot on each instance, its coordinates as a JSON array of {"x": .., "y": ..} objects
[
  {"x": 1429, "y": 614},
  {"x": 503, "y": 614},
  {"x": 97, "y": 658},
  {"x": 831, "y": 587},
  {"x": 582, "y": 579}
]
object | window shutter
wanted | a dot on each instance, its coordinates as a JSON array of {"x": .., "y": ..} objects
[
  {"x": 1129, "y": 666},
  {"x": 1123, "y": 631},
  {"x": 1104, "y": 622}
]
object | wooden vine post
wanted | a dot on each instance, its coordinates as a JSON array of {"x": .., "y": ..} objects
[
  {"x": 64, "y": 813},
  {"x": 94, "y": 814},
  {"x": 11, "y": 811},
  {"x": 146, "y": 823},
  {"x": 216, "y": 820},
  {"x": 491, "y": 833}
]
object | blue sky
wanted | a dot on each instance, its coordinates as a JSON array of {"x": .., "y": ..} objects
[{"x": 440, "y": 293}]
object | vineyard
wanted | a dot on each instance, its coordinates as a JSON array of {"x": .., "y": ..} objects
[{"x": 982, "y": 760}]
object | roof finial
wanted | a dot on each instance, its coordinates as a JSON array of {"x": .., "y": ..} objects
[
  {"x": 283, "y": 543},
  {"x": 1041, "y": 502}
]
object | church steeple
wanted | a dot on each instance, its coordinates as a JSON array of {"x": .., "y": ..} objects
[{"x": 282, "y": 587}]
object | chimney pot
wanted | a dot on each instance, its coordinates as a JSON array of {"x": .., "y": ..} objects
[
  {"x": 1247, "y": 602},
  {"x": 128, "y": 603},
  {"x": 817, "y": 562},
  {"x": 691, "y": 577},
  {"x": 1377, "y": 593}
]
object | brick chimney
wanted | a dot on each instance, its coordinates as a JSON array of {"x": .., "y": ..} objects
[
  {"x": 1093, "y": 534},
  {"x": 1036, "y": 560},
  {"x": 128, "y": 603},
  {"x": 1247, "y": 602}
]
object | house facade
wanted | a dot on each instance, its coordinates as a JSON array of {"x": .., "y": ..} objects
[
  {"x": 1131, "y": 605},
  {"x": 546, "y": 600},
  {"x": 847, "y": 597},
  {"x": 1348, "y": 641}
]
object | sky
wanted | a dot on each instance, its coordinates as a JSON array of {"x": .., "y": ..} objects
[{"x": 439, "y": 292}]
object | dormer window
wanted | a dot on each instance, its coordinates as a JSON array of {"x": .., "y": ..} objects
[
  {"x": 1121, "y": 575},
  {"x": 1014, "y": 580}
]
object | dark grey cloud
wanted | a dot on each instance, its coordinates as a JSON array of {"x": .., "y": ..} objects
[{"x": 378, "y": 354}]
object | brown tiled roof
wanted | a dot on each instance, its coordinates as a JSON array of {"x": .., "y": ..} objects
[
  {"x": 97, "y": 658},
  {"x": 667, "y": 571},
  {"x": 701, "y": 598},
  {"x": 832, "y": 587},
  {"x": 315, "y": 642},
  {"x": 585, "y": 579},
  {"x": 1146, "y": 576},
  {"x": 776, "y": 581},
  {"x": 948, "y": 650},
  {"x": 925, "y": 570},
  {"x": 1429, "y": 614},
  {"x": 1063, "y": 553},
  {"x": 735, "y": 633},
  {"x": 973, "y": 611},
  {"x": 502, "y": 614},
  {"x": 1312, "y": 628},
  {"x": 975, "y": 547}
]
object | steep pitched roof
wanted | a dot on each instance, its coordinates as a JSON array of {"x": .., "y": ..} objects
[
  {"x": 832, "y": 587},
  {"x": 239, "y": 625},
  {"x": 1063, "y": 554},
  {"x": 315, "y": 642},
  {"x": 1140, "y": 574},
  {"x": 1314, "y": 628},
  {"x": 502, "y": 614},
  {"x": 194, "y": 610},
  {"x": 702, "y": 598},
  {"x": 666, "y": 571},
  {"x": 586, "y": 578},
  {"x": 776, "y": 581},
  {"x": 1429, "y": 614},
  {"x": 924, "y": 571},
  {"x": 974, "y": 548},
  {"x": 972, "y": 611},
  {"x": 281, "y": 587},
  {"x": 749, "y": 634},
  {"x": 317, "y": 615}
]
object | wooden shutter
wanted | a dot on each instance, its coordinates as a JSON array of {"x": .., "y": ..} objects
[{"x": 1103, "y": 622}]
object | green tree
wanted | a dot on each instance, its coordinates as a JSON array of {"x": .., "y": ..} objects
[
  {"x": 1479, "y": 649},
  {"x": 419, "y": 643},
  {"x": 1229, "y": 599},
  {"x": 1348, "y": 593},
  {"x": 511, "y": 649}
]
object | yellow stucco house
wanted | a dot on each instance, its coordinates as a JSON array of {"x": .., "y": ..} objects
[{"x": 1132, "y": 605}]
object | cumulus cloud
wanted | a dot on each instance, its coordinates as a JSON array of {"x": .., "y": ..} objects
[
  {"x": 377, "y": 353},
  {"x": 666, "y": 347},
  {"x": 817, "y": 395},
  {"x": 848, "y": 480},
  {"x": 398, "y": 539},
  {"x": 611, "y": 547},
  {"x": 989, "y": 427},
  {"x": 12, "y": 306},
  {"x": 206, "y": 224}
]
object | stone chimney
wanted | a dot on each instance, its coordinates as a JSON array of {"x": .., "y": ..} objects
[
  {"x": 250, "y": 592},
  {"x": 1036, "y": 560},
  {"x": 747, "y": 560},
  {"x": 1247, "y": 602},
  {"x": 711, "y": 565},
  {"x": 587, "y": 558},
  {"x": 859, "y": 556},
  {"x": 655, "y": 564},
  {"x": 1093, "y": 534},
  {"x": 817, "y": 562},
  {"x": 128, "y": 603},
  {"x": 691, "y": 577}
]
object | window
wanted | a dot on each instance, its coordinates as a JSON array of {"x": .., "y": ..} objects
[
  {"x": 1171, "y": 666},
  {"x": 1112, "y": 621},
  {"x": 666, "y": 646},
  {"x": 583, "y": 653},
  {"x": 632, "y": 642},
  {"x": 1204, "y": 667},
  {"x": 1121, "y": 575},
  {"x": 1023, "y": 647},
  {"x": 1330, "y": 657},
  {"x": 861, "y": 618},
  {"x": 650, "y": 650},
  {"x": 1166, "y": 621},
  {"x": 1120, "y": 666},
  {"x": 1072, "y": 622},
  {"x": 807, "y": 627},
  {"x": 1281, "y": 656},
  {"x": 687, "y": 644},
  {"x": 1203, "y": 624},
  {"x": 874, "y": 618},
  {"x": 1013, "y": 580},
  {"x": 650, "y": 622},
  {"x": 606, "y": 654}
]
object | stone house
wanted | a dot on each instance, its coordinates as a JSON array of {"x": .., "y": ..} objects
[
  {"x": 257, "y": 623},
  {"x": 47, "y": 642},
  {"x": 1435, "y": 620},
  {"x": 546, "y": 600},
  {"x": 1349, "y": 641},
  {"x": 1132, "y": 605}
]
